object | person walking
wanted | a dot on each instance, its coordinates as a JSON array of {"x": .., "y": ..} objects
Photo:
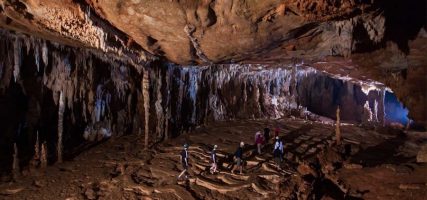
[
  {"x": 276, "y": 132},
  {"x": 267, "y": 135},
  {"x": 278, "y": 151},
  {"x": 184, "y": 161},
  {"x": 258, "y": 141},
  {"x": 238, "y": 155},
  {"x": 214, "y": 167}
]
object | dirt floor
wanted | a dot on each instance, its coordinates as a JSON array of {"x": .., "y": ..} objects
[{"x": 371, "y": 164}]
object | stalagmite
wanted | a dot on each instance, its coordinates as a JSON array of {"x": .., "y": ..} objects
[
  {"x": 337, "y": 129},
  {"x": 36, "y": 158},
  {"x": 61, "y": 110},
  {"x": 15, "y": 165},
  {"x": 367, "y": 118},
  {"x": 146, "y": 96},
  {"x": 376, "y": 111},
  {"x": 43, "y": 156}
]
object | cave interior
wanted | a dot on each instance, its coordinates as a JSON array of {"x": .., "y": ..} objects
[{"x": 98, "y": 97}]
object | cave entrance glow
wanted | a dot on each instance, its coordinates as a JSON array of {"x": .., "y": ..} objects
[{"x": 395, "y": 112}]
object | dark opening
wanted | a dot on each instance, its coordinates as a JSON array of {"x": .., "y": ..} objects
[{"x": 395, "y": 112}]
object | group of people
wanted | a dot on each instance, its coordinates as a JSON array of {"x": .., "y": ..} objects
[
  {"x": 263, "y": 139},
  {"x": 260, "y": 141}
]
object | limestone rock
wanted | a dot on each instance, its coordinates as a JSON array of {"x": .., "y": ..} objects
[{"x": 422, "y": 154}]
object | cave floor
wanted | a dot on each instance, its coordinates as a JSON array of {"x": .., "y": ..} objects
[{"x": 381, "y": 166}]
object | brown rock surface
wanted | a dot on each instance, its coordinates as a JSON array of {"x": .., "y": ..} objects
[
  {"x": 360, "y": 39},
  {"x": 422, "y": 154}
]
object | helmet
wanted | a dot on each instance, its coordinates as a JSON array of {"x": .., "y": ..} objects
[
  {"x": 242, "y": 144},
  {"x": 215, "y": 146},
  {"x": 185, "y": 146},
  {"x": 277, "y": 137}
]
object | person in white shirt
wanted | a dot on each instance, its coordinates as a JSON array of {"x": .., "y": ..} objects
[
  {"x": 278, "y": 151},
  {"x": 214, "y": 167}
]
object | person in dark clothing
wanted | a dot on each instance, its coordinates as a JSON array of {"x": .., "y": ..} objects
[
  {"x": 184, "y": 161},
  {"x": 266, "y": 135},
  {"x": 238, "y": 155},
  {"x": 214, "y": 167}
]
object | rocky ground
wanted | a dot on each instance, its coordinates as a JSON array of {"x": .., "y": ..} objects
[{"x": 371, "y": 164}]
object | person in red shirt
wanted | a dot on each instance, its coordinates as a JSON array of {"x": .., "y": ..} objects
[
  {"x": 276, "y": 132},
  {"x": 259, "y": 140}
]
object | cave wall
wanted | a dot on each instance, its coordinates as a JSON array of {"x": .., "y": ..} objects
[
  {"x": 38, "y": 76},
  {"x": 47, "y": 88}
]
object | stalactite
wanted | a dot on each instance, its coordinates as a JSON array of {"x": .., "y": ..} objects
[
  {"x": 120, "y": 78},
  {"x": 159, "y": 107},
  {"x": 194, "y": 74},
  {"x": 146, "y": 96},
  {"x": 61, "y": 109},
  {"x": 168, "y": 97},
  {"x": 37, "y": 58},
  {"x": 180, "y": 95},
  {"x": 45, "y": 57},
  {"x": 17, "y": 59},
  {"x": 27, "y": 43}
]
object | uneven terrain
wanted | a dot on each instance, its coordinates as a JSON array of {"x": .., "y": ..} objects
[{"x": 375, "y": 164}]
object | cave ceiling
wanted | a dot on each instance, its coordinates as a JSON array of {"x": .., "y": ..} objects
[{"x": 382, "y": 40}]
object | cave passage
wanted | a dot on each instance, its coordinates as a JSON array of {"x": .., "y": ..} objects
[{"x": 395, "y": 111}]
